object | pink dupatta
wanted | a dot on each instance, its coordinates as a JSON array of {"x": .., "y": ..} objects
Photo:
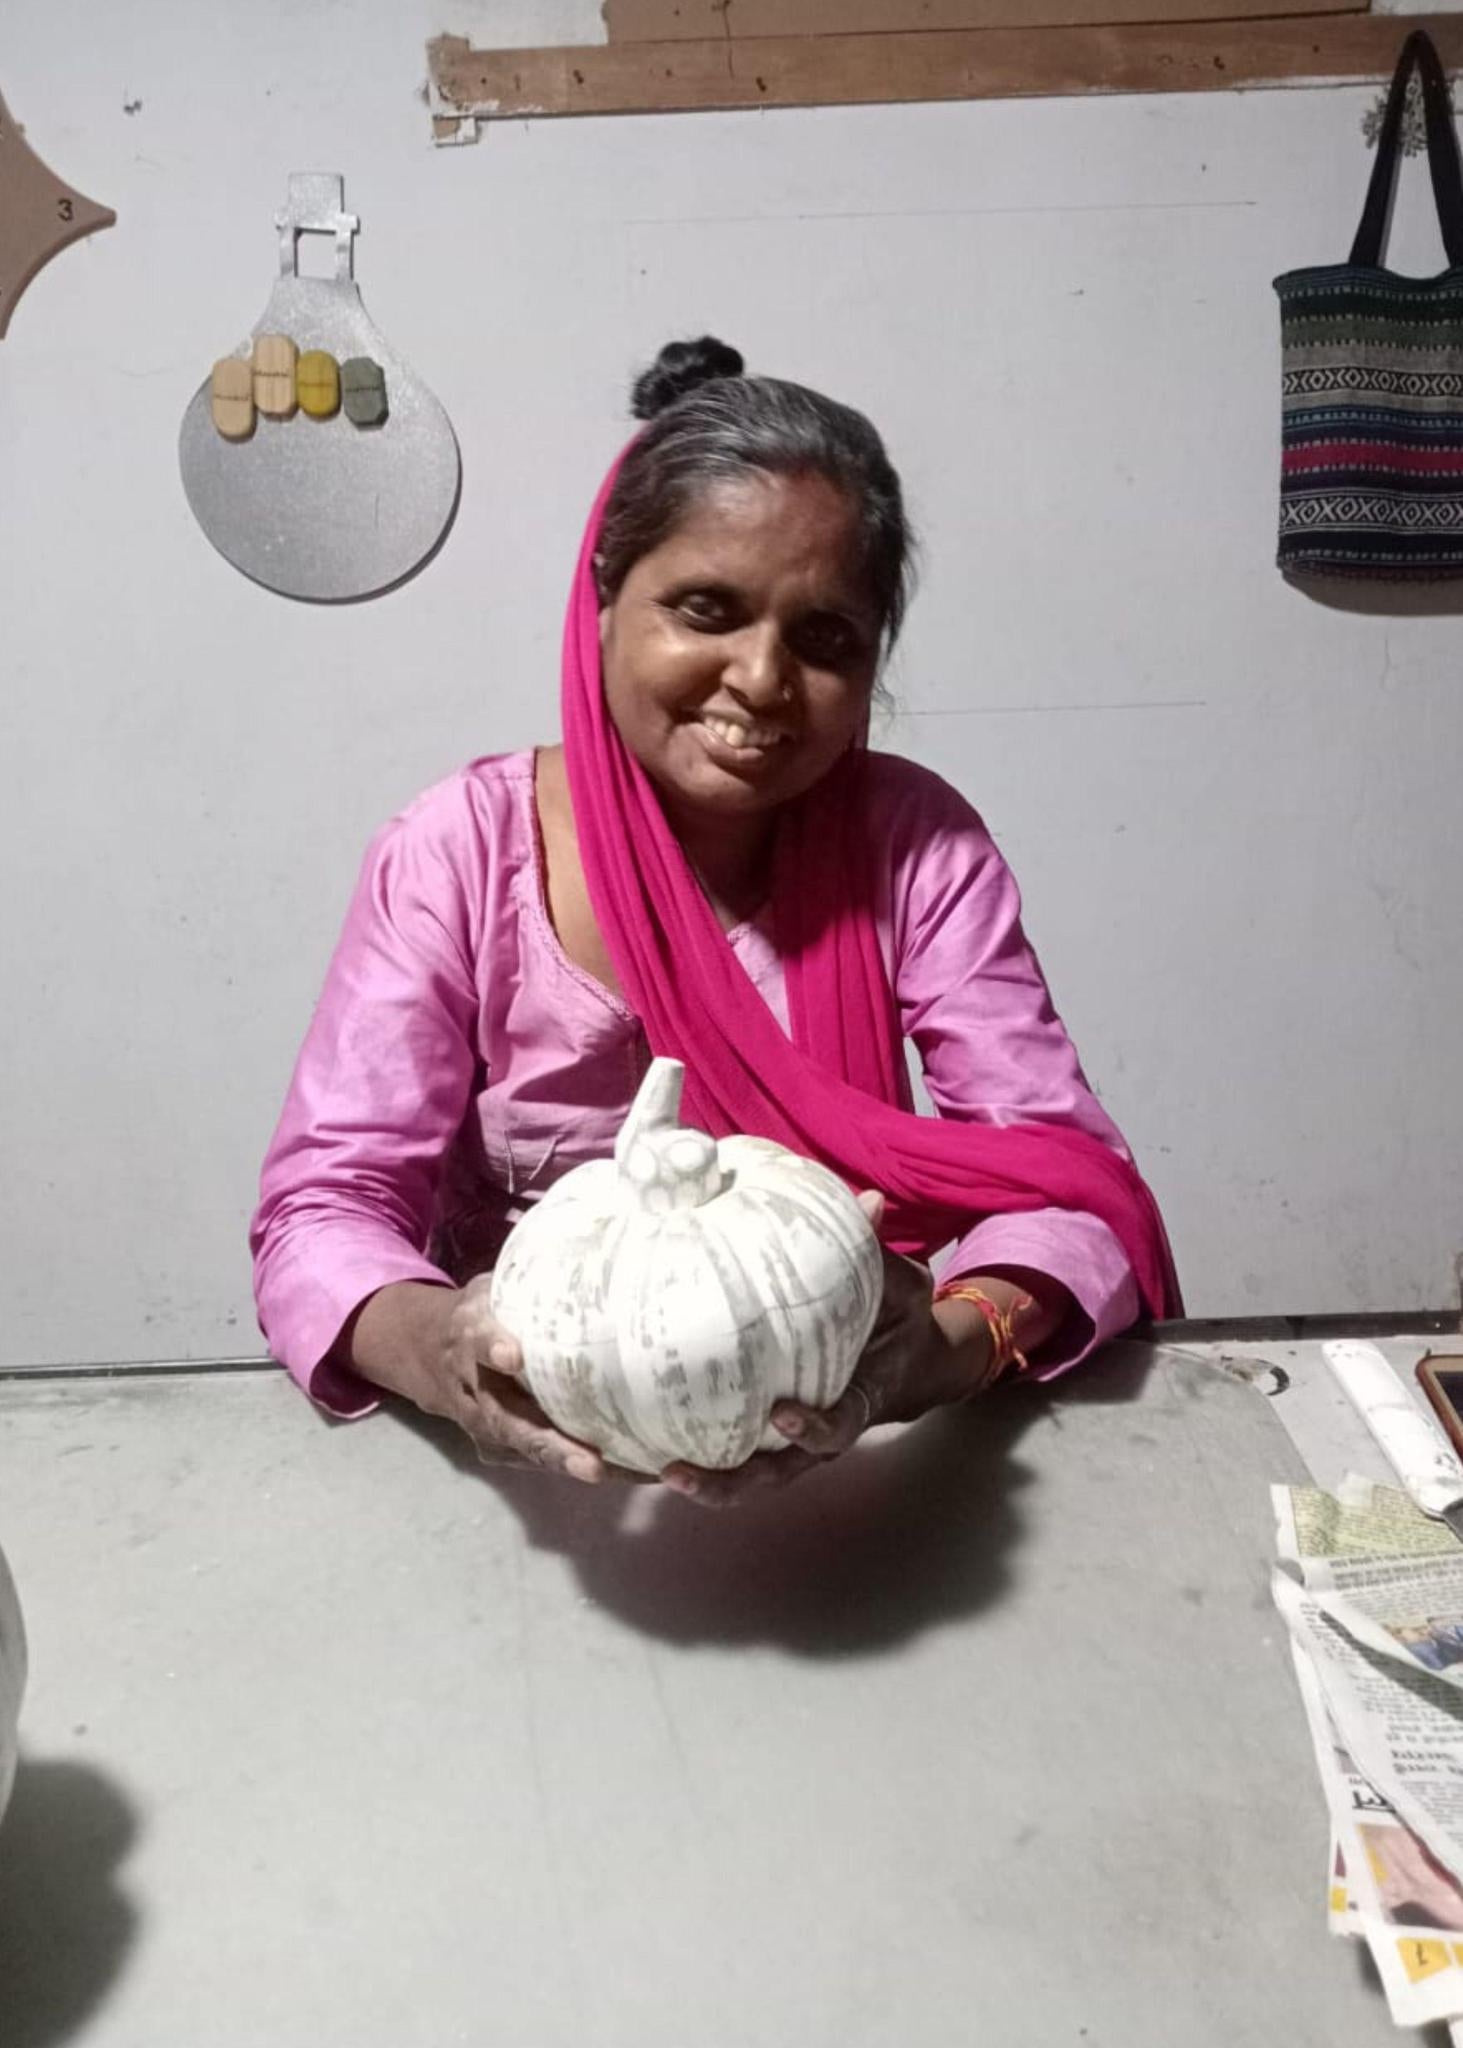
[{"x": 833, "y": 1090}]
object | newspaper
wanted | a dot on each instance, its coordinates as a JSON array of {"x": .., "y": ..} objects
[
  {"x": 1343, "y": 1915},
  {"x": 1391, "y": 1576},
  {"x": 1402, "y": 1728},
  {"x": 1385, "y": 1887},
  {"x": 1372, "y": 1593},
  {"x": 1353, "y": 1606}
]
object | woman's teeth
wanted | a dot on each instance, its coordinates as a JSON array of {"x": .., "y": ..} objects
[{"x": 736, "y": 734}]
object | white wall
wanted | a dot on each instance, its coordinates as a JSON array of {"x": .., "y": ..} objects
[{"x": 1235, "y": 814}]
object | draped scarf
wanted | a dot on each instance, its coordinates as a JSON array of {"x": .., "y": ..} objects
[{"x": 834, "y": 1088}]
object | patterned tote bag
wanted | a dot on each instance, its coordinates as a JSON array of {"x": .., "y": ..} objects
[{"x": 1372, "y": 464}]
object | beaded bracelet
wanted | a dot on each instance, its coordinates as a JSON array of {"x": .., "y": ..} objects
[{"x": 1006, "y": 1352}]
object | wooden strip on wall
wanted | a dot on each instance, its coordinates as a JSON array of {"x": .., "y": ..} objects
[
  {"x": 810, "y": 71},
  {"x": 656, "y": 21}
]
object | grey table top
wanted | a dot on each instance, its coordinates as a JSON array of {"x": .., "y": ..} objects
[{"x": 986, "y": 1736}]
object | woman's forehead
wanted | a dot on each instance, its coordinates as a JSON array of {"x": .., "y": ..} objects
[{"x": 798, "y": 524}]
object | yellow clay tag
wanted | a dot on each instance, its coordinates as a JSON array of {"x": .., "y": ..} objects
[{"x": 318, "y": 384}]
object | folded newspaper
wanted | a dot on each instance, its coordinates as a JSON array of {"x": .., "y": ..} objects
[{"x": 1372, "y": 1593}]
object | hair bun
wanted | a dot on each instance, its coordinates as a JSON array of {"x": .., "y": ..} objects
[{"x": 680, "y": 367}]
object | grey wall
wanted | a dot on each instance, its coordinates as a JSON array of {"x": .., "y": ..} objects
[{"x": 1234, "y": 813}]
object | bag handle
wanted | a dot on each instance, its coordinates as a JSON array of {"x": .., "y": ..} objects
[{"x": 1442, "y": 155}]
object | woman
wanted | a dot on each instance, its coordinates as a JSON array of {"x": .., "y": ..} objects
[{"x": 712, "y": 866}]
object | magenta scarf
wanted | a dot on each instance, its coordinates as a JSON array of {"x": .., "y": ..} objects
[{"x": 835, "y": 1090}]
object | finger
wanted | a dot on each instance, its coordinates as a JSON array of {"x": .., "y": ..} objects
[
  {"x": 827, "y": 1432},
  {"x": 470, "y": 1347},
  {"x": 763, "y": 1473},
  {"x": 506, "y": 1422},
  {"x": 873, "y": 1205},
  {"x": 481, "y": 1330},
  {"x": 562, "y": 1458}
]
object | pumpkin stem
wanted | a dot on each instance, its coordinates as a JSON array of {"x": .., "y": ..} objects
[
  {"x": 663, "y": 1166},
  {"x": 657, "y": 1105}
]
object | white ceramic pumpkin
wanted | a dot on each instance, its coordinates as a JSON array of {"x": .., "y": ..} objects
[
  {"x": 12, "y": 1678},
  {"x": 666, "y": 1298}
]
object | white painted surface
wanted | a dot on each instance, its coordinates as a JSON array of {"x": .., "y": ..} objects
[
  {"x": 988, "y": 1734},
  {"x": 516, "y": 24},
  {"x": 1234, "y": 813}
]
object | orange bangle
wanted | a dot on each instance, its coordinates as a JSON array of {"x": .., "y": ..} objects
[{"x": 1006, "y": 1352}]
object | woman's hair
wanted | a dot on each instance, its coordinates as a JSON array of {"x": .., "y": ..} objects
[{"x": 709, "y": 424}]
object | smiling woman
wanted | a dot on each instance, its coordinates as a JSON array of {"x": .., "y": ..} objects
[
  {"x": 713, "y": 867},
  {"x": 739, "y": 659},
  {"x": 751, "y": 630}
]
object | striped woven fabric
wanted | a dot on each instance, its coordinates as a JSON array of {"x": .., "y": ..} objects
[
  {"x": 1371, "y": 479},
  {"x": 1372, "y": 462}
]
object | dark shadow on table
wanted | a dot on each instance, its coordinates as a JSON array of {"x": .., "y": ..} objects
[
  {"x": 1112, "y": 1377},
  {"x": 913, "y": 1530},
  {"x": 65, "y": 1925}
]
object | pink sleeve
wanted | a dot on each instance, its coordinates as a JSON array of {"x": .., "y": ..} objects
[
  {"x": 975, "y": 1004},
  {"x": 379, "y": 1090}
]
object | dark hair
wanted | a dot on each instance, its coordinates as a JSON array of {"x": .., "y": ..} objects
[{"x": 709, "y": 424}]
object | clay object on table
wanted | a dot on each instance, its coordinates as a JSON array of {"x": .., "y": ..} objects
[
  {"x": 39, "y": 214},
  {"x": 12, "y": 1678},
  {"x": 667, "y": 1298},
  {"x": 315, "y": 508}
]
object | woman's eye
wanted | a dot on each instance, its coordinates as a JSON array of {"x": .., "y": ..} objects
[
  {"x": 701, "y": 608},
  {"x": 828, "y": 643}
]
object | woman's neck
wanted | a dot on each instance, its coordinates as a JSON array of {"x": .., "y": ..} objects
[{"x": 730, "y": 857}]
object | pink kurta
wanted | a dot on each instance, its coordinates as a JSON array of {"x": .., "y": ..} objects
[{"x": 459, "y": 1062}]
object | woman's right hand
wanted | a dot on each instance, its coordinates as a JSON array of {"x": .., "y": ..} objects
[{"x": 444, "y": 1350}]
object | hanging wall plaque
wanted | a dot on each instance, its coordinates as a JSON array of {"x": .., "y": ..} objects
[
  {"x": 315, "y": 458},
  {"x": 39, "y": 215}
]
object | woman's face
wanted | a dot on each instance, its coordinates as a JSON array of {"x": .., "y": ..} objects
[{"x": 740, "y": 654}]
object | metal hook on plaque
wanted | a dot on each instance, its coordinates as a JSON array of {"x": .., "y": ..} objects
[{"x": 315, "y": 458}]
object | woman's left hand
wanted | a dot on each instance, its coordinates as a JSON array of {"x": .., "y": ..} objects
[{"x": 909, "y": 1366}]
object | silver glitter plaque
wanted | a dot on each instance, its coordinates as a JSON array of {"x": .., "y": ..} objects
[{"x": 323, "y": 508}]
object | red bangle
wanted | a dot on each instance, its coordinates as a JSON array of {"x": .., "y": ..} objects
[{"x": 1006, "y": 1352}]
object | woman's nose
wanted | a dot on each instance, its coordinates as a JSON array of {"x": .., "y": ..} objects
[{"x": 759, "y": 666}]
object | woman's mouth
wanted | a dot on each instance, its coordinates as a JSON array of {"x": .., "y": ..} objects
[{"x": 746, "y": 740}]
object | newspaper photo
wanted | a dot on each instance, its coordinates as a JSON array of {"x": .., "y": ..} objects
[{"x": 1391, "y": 1576}]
